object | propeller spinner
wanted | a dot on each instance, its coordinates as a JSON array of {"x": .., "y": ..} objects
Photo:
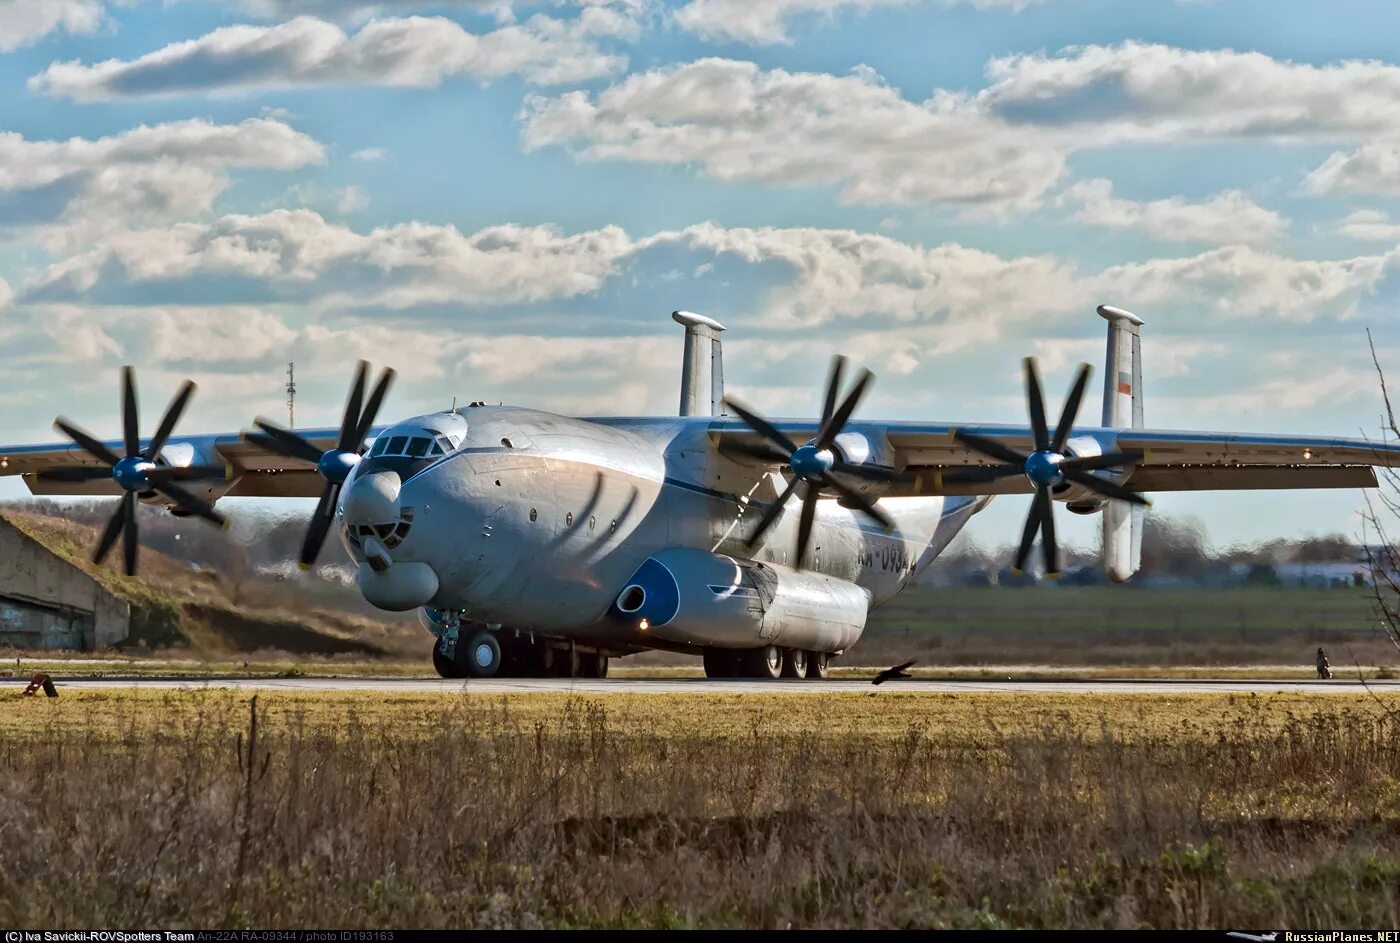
[
  {"x": 815, "y": 464},
  {"x": 137, "y": 472},
  {"x": 335, "y": 464},
  {"x": 1048, "y": 467}
]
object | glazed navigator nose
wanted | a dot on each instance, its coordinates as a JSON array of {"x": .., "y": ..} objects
[
  {"x": 371, "y": 509},
  {"x": 372, "y": 500}
]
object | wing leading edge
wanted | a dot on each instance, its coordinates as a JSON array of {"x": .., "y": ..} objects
[
  {"x": 1171, "y": 460},
  {"x": 252, "y": 470}
]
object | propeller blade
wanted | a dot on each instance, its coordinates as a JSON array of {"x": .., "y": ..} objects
[
  {"x": 1092, "y": 462},
  {"x": 131, "y": 423},
  {"x": 1106, "y": 488},
  {"x": 376, "y": 399},
  {"x": 186, "y": 473},
  {"x": 990, "y": 448},
  {"x": 1028, "y": 534},
  {"x": 1071, "y": 410},
  {"x": 864, "y": 504},
  {"x": 1049, "y": 550},
  {"x": 190, "y": 502},
  {"x": 837, "y": 421},
  {"x": 869, "y": 472},
  {"x": 172, "y": 416},
  {"x": 321, "y": 520},
  {"x": 76, "y": 473},
  {"x": 804, "y": 523},
  {"x": 1035, "y": 399},
  {"x": 288, "y": 443},
  {"x": 833, "y": 387},
  {"x": 113, "y": 529},
  {"x": 88, "y": 443},
  {"x": 979, "y": 474},
  {"x": 762, "y": 426},
  {"x": 130, "y": 538},
  {"x": 757, "y": 450},
  {"x": 771, "y": 515},
  {"x": 350, "y": 421}
]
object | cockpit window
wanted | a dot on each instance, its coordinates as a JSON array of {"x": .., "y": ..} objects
[
  {"x": 396, "y": 445},
  {"x": 417, "y": 447},
  {"x": 379, "y": 446}
]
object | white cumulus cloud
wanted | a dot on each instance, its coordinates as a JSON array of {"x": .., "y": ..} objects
[
  {"x": 1002, "y": 146},
  {"x": 148, "y": 172},
  {"x": 1228, "y": 217},
  {"x": 26, "y": 21},
  {"x": 766, "y": 22},
  {"x": 411, "y": 51}
]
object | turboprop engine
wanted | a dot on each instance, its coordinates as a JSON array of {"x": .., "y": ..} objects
[{"x": 693, "y": 596}]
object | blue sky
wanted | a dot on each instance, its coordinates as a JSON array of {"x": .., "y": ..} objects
[{"x": 505, "y": 201}]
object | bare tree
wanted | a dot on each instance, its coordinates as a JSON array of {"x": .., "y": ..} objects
[{"x": 1378, "y": 521}]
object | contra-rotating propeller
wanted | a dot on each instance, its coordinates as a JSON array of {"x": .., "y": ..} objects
[
  {"x": 335, "y": 464},
  {"x": 815, "y": 464},
  {"x": 137, "y": 472},
  {"x": 1047, "y": 467}
]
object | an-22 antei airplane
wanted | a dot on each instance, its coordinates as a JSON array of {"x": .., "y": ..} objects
[{"x": 534, "y": 543}]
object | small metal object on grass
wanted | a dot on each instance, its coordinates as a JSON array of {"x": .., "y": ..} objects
[{"x": 41, "y": 680}]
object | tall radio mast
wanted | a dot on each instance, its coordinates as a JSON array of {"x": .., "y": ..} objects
[{"x": 291, "y": 396}]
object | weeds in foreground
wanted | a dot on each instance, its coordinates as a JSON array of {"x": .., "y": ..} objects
[{"x": 243, "y": 815}]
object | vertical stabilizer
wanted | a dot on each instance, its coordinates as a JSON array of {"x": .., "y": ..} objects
[
  {"x": 1122, "y": 408},
  {"x": 702, "y": 369}
]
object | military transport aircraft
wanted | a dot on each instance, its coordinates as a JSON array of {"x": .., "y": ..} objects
[{"x": 533, "y": 543}]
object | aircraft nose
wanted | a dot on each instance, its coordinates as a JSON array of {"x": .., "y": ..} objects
[
  {"x": 373, "y": 499},
  {"x": 371, "y": 508}
]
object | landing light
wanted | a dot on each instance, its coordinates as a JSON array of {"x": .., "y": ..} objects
[{"x": 644, "y": 625}]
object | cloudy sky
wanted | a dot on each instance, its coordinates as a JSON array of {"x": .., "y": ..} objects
[{"x": 504, "y": 200}]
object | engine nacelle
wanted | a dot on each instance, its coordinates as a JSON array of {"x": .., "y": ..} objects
[{"x": 691, "y": 596}]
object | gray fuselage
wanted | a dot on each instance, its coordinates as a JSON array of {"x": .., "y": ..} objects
[{"x": 536, "y": 521}]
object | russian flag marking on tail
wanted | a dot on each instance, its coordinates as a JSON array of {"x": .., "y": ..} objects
[{"x": 1125, "y": 383}]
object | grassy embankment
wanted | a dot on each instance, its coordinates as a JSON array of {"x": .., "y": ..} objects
[
  {"x": 174, "y": 809},
  {"x": 1049, "y": 632},
  {"x": 1119, "y": 626}
]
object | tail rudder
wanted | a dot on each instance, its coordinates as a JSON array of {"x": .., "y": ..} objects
[{"x": 1122, "y": 408}]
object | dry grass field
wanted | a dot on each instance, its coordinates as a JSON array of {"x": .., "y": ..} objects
[{"x": 202, "y": 809}]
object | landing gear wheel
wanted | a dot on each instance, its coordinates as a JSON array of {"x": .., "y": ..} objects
[
  {"x": 482, "y": 655},
  {"x": 444, "y": 666},
  {"x": 721, "y": 663},
  {"x": 593, "y": 665},
  {"x": 794, "y": 663},
  {"x": 818, "y": 663},
  {"x": 765, "y": 663}
]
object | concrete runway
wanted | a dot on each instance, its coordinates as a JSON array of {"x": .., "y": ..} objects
[{"x": 703, "y": 686}]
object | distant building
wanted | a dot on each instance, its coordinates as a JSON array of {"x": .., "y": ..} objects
[{"x": 48, "y": 602}]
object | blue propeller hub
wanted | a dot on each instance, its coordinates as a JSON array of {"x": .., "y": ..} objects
[
  {"x": 810, "y": 462},
  {"x": 130, "y": 473},
  {"x": 336, "y": 465},
  {"x": 1043, "y": 469}
]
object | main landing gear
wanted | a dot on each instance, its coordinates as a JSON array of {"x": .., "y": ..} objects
[
  {"x": 473, "y": 652},
  {"x": 770, "y": 662}
]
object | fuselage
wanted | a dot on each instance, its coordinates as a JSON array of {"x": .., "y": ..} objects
[{"x": 536, "y": 521}]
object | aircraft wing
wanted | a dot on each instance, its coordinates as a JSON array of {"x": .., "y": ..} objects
[
  {"x": 1171, "y": 460},
  {"x": 251, "y": 470}
]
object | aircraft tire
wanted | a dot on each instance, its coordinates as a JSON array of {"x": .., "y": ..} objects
[
  {"x": 444, "y": 666},
  {"x": 765, "y": 663},
  {"x": 593, "y": 665},
  {"x": 794, "y": 663},
  {"x": 818, "y": 664},
  {"x": 721, "y": 663},
  {"x": 482, "y": 655}
]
